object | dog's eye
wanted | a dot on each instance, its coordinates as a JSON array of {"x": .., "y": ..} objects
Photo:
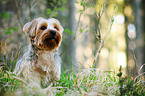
[
  {"x": 56, "y": 28},
  {"x": 43, "y": 28}
]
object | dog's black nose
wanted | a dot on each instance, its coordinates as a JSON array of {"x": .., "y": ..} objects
[{"x": 53, "y": 33}]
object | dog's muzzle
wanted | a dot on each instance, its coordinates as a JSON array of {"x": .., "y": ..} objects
[{"x": 51, "y": 40}]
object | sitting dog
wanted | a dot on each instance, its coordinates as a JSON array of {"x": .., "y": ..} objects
[{"x": 41, "y": 63}]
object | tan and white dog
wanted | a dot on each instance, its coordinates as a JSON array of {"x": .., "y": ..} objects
[{"x": 41, "y": 63}]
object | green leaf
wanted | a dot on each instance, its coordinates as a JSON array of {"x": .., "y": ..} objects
[
  {"x": 8, "y": 31},
  {"x": 44, "y": 15},
  {"x": 48, "y": 10},
  {"x": 81, "y": 10},
  {"x": 86, "y": 4},
  {"x": 15, "y": 28},
  {"x": 64, "y": 1},
  {"x": 61, "y": 8},
  {"x": 71, "y": 32},
  {"x": 68, "y": 31},
  {"x": 55, "y": 14},
  {"x": 81, "y": 30},
  {"x": 51, "y": 4},
  {"x": 56, "y": 8},
  {"x": 82, "y": 4},
  {"x": 76, "y": 2},
  {"x": 55, "y": 1},
  {"x": 11, "y": 39},
  {"x": 5, "y": 15},
  {"x": 90, "y": 30},
  {"x": 112, "y": 19}
]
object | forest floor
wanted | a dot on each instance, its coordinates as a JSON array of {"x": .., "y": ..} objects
[{"x": 86, "y": 82}]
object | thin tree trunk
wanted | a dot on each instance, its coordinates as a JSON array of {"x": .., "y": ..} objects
[
  {"x": 139, "y": 52},
  {"x": 69, "y": 53}
]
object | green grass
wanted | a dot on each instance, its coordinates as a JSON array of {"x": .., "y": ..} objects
[
  {"x": 85, "y": 82},
  {"x": 7, "y": 80}
]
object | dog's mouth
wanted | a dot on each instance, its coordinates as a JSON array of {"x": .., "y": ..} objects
[
  {"x": 51, "y": 42},
  {"x": 48, "y": 42},
  {"x": 50, "y": 37}
]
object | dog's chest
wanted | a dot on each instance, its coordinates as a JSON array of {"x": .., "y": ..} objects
[
  {"x": 45, "y": 62},
  {"x": 47, "y": 66}
]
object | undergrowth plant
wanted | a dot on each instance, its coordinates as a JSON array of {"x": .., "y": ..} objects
[
  {"x": 7, "y": 64},
  {"x": 7, "y": 81},
  {"x": 130, "y": 87}
]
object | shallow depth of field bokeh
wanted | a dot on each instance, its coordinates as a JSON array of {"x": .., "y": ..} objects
[{"x": 122, "y": 19}]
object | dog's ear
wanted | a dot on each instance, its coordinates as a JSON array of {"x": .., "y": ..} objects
[
  {"x": 30, "y": 28},
  {"x": 61, "y": 28}
]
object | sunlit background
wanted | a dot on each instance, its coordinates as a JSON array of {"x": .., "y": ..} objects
[{"x": 113, "y": 53}]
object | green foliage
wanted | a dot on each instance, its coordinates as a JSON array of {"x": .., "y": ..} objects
[
  {"x": 68, "y": 31},
  {"x": 66, "y": 82},
  {"x": 10, "y": 30},
  {"x": 8, "y": 60},
  {"x": 96, "y": 81},
  {"x": 130, "y": 87},
  {"x": 84, "y": 82},
  {"x": 5, "y": 15},
  {"x": 81, "y": 30},
  {"x": 7, "y": 81},
  {"x": 84, "y": 4},
  {"x": 53, "y": 11}
]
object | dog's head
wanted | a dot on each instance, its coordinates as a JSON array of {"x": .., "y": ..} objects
[{"x": 44, "y": 34}]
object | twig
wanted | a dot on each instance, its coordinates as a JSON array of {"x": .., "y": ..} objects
[
  {"x": 74, "y": 37},
  {"x": 20, "y": 79},
  {"x": 135, "y": 59},
  {"x": 141, "y": 68},
  {"x": 18, "y": 15},
  {"x": 30, "y": 12},
  {"x": 100, "y": 36},
  {"x": 53, "y": 11},
  {"x": 101, "y": 45},
  {"x": 99, "y": 17},
  {"x": 138, "y": 76},
  {"x": 103, "y": 8}
]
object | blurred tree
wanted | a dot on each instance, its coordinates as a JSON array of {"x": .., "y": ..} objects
[
  {"x": 69, "y": 50},
  {"x": 128, "y": 20},
  {"x": 144, "y": 29},
  {"x": 139, "y": 52},
  {"x": 135, "y": 46}
]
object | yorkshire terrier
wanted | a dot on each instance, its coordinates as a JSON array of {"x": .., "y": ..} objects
[{"x": 41, "y": 63}]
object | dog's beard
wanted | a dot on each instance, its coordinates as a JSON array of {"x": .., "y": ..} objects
[{"x": 49, "y": 42}]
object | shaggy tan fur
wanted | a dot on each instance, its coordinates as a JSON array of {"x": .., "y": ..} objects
[{"x": 41, "y": 63}]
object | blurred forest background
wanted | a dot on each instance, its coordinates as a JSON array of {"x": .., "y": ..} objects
[{"x": 124, "y": 45}]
